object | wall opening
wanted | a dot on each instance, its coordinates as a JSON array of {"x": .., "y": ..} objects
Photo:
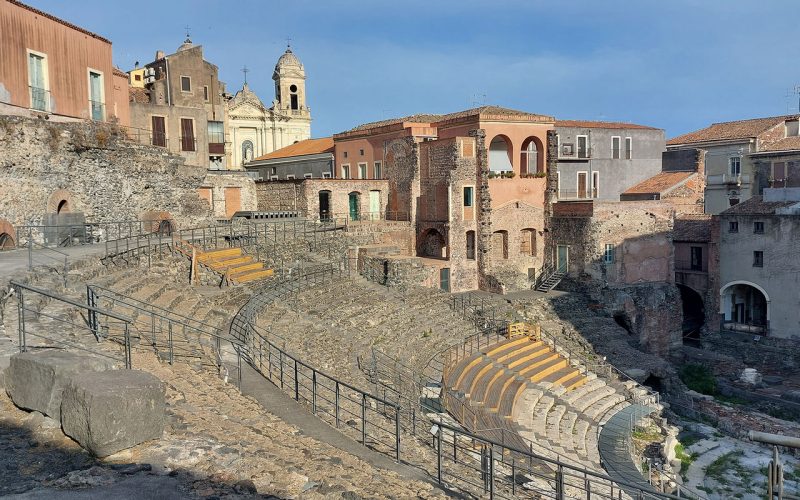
[
  {"x": 654, "y": 383},
  {"x": 500, "y": 154},
  {"x": 500, "y": 245},
  {"x": 694, "y": 314},
  {"x": 63, "y": 207},
  {"x": 527, "y": 243},
  {"x": 165, "y": 228},
  {"x": 745, "y": 308},
  {"x": 471, "y": 245},
  {"x": 324, "y": 205},
  {"x": 354, "y": 205},
  {"x": 532, "y": 157},
  {"x": 432, "y": 244},
  {"x": 6, "y": 241},
  {"x": 623, "y": 320}
]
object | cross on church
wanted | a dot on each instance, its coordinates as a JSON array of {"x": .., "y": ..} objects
[
  {"x": 187, "y": 31},
  {"x": 288, "y": 42},
  {"x": 245, "y": 71}
]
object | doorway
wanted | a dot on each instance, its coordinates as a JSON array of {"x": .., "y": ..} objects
[
  {"x": 562, "y": 258},
  {"x": 324, "y": 205},
  {"x": 444, "y": 279},
  {"x": 353, "y": 205},
  {"x": 374, "y": 205}
]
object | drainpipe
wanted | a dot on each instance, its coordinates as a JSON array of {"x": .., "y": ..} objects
[{"x": 169, "y": 86}]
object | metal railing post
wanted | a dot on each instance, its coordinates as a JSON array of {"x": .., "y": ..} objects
[
  {"x": 314, "y": 392},
  {"x": 21, "y": 320},
  {"x": 128, "y": 361},
  {"x": 439, "y": 454},
  {"x": 153, "y": 329},
  {"x": 363, "y": 419},
  {"x": 397, "y": 433},
  {"x": 239, "y": 367},
  {"x": 560, "y": 482},
  {"x": 30, "y": 249},
  {"x": 336, "y": 404},
  {"x": 280, "y": 363},
  {"x": 169, "y": 340},
  {"x": 296, "y": 383},
  {"x": 491, "y": 471}
]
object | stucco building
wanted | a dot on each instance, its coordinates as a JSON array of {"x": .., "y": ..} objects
[
  {"x": 759, "y": 268},
  {"x": 600, "y": 160},
  {"x": 308, "y": 159},
  {"x": 52, "y": 67},
  {"x": 182, "y": 108},
  {"x": 743, "y": 157},
  {"x": 256, "y": 129}
]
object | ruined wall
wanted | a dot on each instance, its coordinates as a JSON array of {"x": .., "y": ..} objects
[
  {"x": 216, "y": 190},
  {"x": 93, "y": 169},
  {"x": 402, "y": 171},
  {"x": 275, "y": 196}
]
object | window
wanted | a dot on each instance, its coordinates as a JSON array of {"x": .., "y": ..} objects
[
  {"x": 583, "y": 146},
  {"x": 583, "y": 187},
  {"x": 362, "y": 170},
  {"x": 615, "y": 148},
  {"x": 186, "y": 84},
  {"x": 735, "y": 165},
  {"x": 471, "y": 245},
  {"x": 527, "y": 242},
  {"x": 187, "y": 134},
  {"x": 308, "y": 176},
  {"x": 290, "y": 177},
  {"x": 137, "y": 78},
  {"x": 205, "y": 92},
  {"x": 345, "y": 171},
  {"x": 273, "y": 178},
  {"x": 469, "y": 192},
  {"x": 733, "y": 227},
  {"x": 595, "y": 184},
  {"x": 608, "y": 255},
  {"x": 344, "y": 154},
  {"x": 96, "y": 95},
  {"x": 37, "y": 81},
  {"x": 778, "y": 174},
  {"x": 361, "y": 152},
  {"x": 216, "y": 141},
  {"x": 758, "y": 258},
  {"x": 758, "y": 227},
  {"x": 158, "y": 127},
  {"x": 628, "y": 148},
  {"x": 696, "y": 256},
  {"x": 376, "y": 171},
  {"x": 326, "y": 175}
]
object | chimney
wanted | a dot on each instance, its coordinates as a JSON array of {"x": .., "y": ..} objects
[{"x": 159, "y": 54}]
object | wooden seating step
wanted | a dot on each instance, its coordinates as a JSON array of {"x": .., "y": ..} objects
[
  {"x": 454, "y": 373},
  {"x": 472, "y": 372},
  {"x": 505, "y": 346},
  {"x": 222, "y": 265},
  {"x": 462, "y": 374},
  {"x": 255, "y": 266},
  {"x": 548, "y": 368},
  {"x": 532, "y": 350},
  {"x": 520, "y": 363},
  {"x": 577, "y": 380},
  {"x": 560, "y": 376},
  {"x": 248, "y": 277},
  {"x": 533, "y": 366},
  {"x": 489, "y": 381},
  {"x": 510, "y": 396},
  {"x": 219, "y": 254}
]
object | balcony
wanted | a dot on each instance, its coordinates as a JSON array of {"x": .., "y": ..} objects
[
  {"x": 686, "y": 265},
  {"x": 570, "y": 152},
  {"x": 586, "y": 194},
  {"x": 40, "y": 99},
  {"x": 721, "y": 179}
]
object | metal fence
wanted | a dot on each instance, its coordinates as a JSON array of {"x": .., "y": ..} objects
[
  {"x": 79, "y": 318},
  {"x": 87, "y": 233}
]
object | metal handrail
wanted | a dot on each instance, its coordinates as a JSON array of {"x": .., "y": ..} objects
[{"x": 92, "y": 313}]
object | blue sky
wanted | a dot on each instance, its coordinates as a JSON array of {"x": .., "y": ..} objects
[{"x": 675, "y": 64}]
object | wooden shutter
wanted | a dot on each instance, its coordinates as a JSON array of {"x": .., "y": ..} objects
[
  {"x": 159, "y": 131},
  {"x": 187, "y": 134}
]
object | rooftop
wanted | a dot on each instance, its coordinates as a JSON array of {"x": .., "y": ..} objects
[
  {"x": 741, "y": 129},
  {"x": 302, "y": 148},
  {"x": 60, "y": 21},
  {"x": 757, "y": 206},
  {"x": 692, "y": 229},
  {"x": 599, "y": 124},
  {"x": 659, "y": 183},
  {"x": 785, "y": 144},
  {"x": 482, "y": 112}
]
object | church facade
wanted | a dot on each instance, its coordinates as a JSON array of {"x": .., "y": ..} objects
[{"x": 255, "y": 129}]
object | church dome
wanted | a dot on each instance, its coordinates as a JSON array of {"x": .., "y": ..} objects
[
  {"x": 187, "y": 44},
  {"x": 288, "y": 59}
]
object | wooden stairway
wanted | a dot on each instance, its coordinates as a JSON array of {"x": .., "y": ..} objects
[{"x": 233, "y": 265}]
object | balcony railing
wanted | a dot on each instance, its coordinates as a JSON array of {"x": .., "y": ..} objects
[
  {"x": 40, "y": 99},
  {"x": 686, "y": 265},
  {"x": 728, "y": 179}
]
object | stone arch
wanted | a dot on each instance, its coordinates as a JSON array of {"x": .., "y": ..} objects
[
  {"x": 158, "y": 222},
  {"x": 8, "y": 235},
  {"x": 532, "y": 156},
  {"x": 60, "y": 202},
  {"x": 500, "y": 154},
  {"x": 744, "y": 303},
  {"x": 432, "y": 243}
]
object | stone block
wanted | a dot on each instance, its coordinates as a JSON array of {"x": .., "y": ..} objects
[
  {"x": 116, "y": 411},
  {"x": 36, "y": 380}
]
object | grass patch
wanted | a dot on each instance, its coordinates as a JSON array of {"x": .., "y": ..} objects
[
  {"x": 729, "y": 464},
  {"x": 699, "y": 378},
  {"x": 649, "y": 434},
  {"x": 685, "y": 458}
]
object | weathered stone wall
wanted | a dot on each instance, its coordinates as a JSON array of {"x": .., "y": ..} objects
[
  {"x": 95, "y": 170},
  {"x": 402, "y": 171},
  {"x": 275, "y": 196},
  {"x": 219, "y": 182},
  {"x": 304, "y": 195}
]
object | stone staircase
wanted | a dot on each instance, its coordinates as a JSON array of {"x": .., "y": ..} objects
[{"x": 231, "y": 264}]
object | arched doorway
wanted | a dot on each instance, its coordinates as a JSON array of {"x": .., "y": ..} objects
[
  {"x": 432, "y": 244},
  {"x": 527, "y": 243},
  {"x": 63, "y": 207},
  {"x": 165, "y": 228},
  {"x": 500, "y": 154},
  {"x": 324, "y": 205},
  {"x": 6, "y": 241},
  {"x": 531, "y": 157},
  {"x": 500, "y": 245},
  {"x": 354, "y": 205},
  {"x": 694, "y": 313},
  {"x": 744, "y": 306}
]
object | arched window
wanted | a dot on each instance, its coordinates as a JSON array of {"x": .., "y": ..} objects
[
  {"x": 500, "y": 245},
  {"x": 247, "y": 151},
  {"x": 531, "y": 158},
  {"x": 500, "y": 154}
]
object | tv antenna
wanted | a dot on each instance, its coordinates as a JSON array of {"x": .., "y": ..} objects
[{"x": 792, "y": 93}]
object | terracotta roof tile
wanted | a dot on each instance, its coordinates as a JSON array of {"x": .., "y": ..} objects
[
  {"x": 757, "y": 206},
  {"x": 420, "y": 118},
  {"x": 307, "y": 147},
  {"x": 742, "y": 129},
  {"x": 659, "y": 183},
  {"x": 597, "y": 124},
  {"x": 60, "y": 21},
  {"x": 785, "y": 144},
  {"x": 694, "y": 229}
]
